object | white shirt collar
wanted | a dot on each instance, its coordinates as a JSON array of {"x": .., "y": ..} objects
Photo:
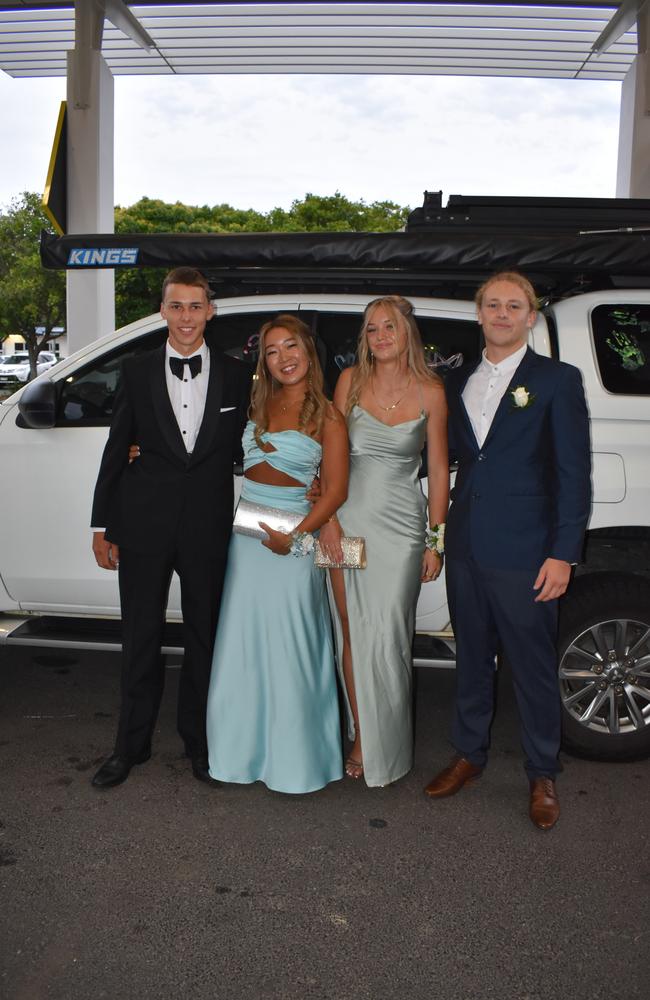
[{"x": 506, "y": 367}]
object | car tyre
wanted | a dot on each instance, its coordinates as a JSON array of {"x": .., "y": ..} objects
[{"x": 604, "y": 667}]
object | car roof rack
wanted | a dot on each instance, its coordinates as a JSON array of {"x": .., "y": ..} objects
[
  {"x": 565, "y": 246},
  {"x": 554, "y": 216}
]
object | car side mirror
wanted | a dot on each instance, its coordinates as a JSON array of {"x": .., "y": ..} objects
[{"x": 37, "y": 405}]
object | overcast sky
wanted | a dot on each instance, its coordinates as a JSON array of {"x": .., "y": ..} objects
[{"x": 260, "y": 142}]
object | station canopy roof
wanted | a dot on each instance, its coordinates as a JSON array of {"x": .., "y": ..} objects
[{"x": 549, "y": 39}]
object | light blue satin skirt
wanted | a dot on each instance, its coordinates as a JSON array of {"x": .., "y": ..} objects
[{"x": 273, "y": 707}]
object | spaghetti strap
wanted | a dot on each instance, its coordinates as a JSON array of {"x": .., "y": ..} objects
[{"x": 422, "y": 411}]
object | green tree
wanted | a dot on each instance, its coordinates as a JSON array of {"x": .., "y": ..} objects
[
  {"x": 150, "y": 215},
  {"x": 33, "y": 299},
  {"x": 337, "y": 214},
  {"x": 314, "y": 214}
]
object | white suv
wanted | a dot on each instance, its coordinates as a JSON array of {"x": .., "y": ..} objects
[
  {"x": 15, "y": 367},
  {"x": 52, "y": 433}
]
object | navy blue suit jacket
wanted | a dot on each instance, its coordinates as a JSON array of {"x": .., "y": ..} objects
[{"x": 524, "y": 495}]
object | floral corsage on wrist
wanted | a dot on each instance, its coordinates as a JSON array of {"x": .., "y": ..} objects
[
  {"x": 522, "y": 398},
  {"x": 434, "y": 538},
  {"x": 302, "y": 543}
]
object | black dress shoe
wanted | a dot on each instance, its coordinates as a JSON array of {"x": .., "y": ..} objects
[
  {"x": 201, "y": 769},
  {"x": 116, "y": 770}
]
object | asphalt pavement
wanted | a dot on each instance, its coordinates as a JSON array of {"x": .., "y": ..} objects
[{"x": 166, "y": 888}]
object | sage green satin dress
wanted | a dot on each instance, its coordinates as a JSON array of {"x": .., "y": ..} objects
[{"x": 387, "y": 507}]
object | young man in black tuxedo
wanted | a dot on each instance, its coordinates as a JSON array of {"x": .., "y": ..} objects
[
  {"x": 519, "y": 427},
  {"x": 185, "y": 406}
]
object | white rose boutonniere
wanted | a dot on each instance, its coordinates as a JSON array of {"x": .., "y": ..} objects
[{"x": 522, "y": 398}]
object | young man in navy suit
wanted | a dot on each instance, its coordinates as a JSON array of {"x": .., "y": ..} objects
[
  {"x": 519, "y": 429},
  {"x": 185, "y": 405}
]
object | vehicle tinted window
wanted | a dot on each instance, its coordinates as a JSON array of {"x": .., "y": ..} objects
[
  {"x": 622, "y": 340},
  {"x": 88, "y": 396},
  {"x": 447, "y": 342},
  {"x": 237, "y": 334}
]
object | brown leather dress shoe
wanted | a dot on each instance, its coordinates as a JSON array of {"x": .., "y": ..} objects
[
  {"x": 544, "y": 804},
  {"x": 450, "y": 780}
]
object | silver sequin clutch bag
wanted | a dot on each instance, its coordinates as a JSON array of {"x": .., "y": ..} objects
[
  {"x": 249, "y": 514},
  {"x": 354, "y": 555}
]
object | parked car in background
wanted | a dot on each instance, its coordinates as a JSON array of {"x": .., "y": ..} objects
[{"x": 15, "y": 367}]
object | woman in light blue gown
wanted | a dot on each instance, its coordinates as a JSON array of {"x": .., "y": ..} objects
[
  {"x": 272, "y": 706},
  {"x": 393, "y": 404}
]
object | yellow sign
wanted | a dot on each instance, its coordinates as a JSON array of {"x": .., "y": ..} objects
[{"x": 55, "y": 196}]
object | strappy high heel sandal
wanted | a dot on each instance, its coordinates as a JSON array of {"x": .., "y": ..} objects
[{"x": 354, "y": 768}]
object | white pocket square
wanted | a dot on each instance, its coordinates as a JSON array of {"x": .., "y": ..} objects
[{"x": 227, "y": 409}]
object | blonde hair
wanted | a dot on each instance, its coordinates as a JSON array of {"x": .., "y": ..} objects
[
  {"x": 400, "y": 311},
  {"x": 516, "y": 279},
  {"x": 316, "y": 405}
]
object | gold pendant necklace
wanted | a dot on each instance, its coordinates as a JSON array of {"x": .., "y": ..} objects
[
  {"x": 393, "y": 406},
  {"x": 285, "y": 406}
]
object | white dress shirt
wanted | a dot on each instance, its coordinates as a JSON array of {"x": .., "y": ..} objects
[
  {"x": 188, "y": 395},
  {"x": 485, "y": 388}
]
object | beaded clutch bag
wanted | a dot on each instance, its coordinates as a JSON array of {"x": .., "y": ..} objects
[{"x": 354, "y": 555}]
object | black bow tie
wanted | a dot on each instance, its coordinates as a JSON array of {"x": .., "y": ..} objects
[{"x": 177, "y": 366}]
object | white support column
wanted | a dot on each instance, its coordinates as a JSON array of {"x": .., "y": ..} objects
[
  {"x": 91, "y": 294},
  {"x": 633, "y": 174}
]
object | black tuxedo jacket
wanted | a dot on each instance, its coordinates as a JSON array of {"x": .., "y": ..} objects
[
  {"x": 167, "y": 496},
  {"x": 524, "y": 495}
]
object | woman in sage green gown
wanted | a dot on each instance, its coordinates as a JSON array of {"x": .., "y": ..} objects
[{"x": 393, "y": 405}]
